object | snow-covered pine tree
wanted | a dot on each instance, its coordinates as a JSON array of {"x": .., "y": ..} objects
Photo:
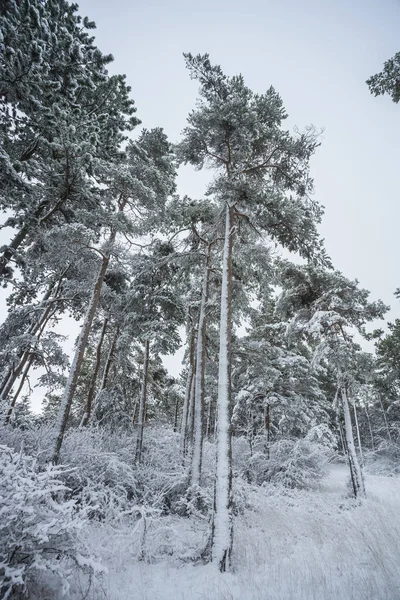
[
  {"x": 61, "y": 117},
  {"x": 328, "y": 308},
  {"x": 153, "y": 312},
  {"x": 261, "y": 176},
  {"x": 388, "y": 80},
  {"x": 139, "y": 185}
]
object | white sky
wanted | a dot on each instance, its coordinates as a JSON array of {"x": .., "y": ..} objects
[{"x": 317, "y": 54}]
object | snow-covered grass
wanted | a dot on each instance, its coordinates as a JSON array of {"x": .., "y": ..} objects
[
  {"x": 147, "y": 530},
  {"x": 292, "y": 545}
]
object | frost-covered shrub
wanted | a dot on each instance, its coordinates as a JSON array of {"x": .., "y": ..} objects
[
  {"x": 292, "y": 463},
  {"x": 385, "y": 460},
  {"x": 196, "y": 501},
  {"x": 101, "y": 473},
  {"x": 39, "y": 532},
  {"x": 35, "y": 440},
  {"x": 297, "y": 464},
  {"x": 161, "y": 476}
]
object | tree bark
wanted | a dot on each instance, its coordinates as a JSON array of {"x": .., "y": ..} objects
[
  {"x": 69, "y": 392},
  {"x": 370, "y": 429},
  {"x": 208, "y": 424},
  {"x": 199, "y": 379},
  {"x": 354, "y": 465},
  {"x": 384, "y": 417},
  {"x": 142, "y": 404},
  {"x": 92, "y": 386},
  {"x": 37, "y": 326},
  {"x": 185, "y": 410},
  {"x": 190, "y": 421},
  {"x": 176, "y": 414},
  {"x": 17, "y": 393},
  {"x": 267, "y": 423},
  {"x": 223, "y": 524},
  {"x": 358, "y": 434}
]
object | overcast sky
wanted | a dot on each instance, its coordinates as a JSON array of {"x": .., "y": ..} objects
[{"x": 317, "y": 54}]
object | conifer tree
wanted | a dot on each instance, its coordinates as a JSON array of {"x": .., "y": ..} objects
[
  {"x": 261, "y": 176},
  {"x": 329, "y": 308}
]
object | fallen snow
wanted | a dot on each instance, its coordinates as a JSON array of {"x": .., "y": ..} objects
[{"x": 292, "y": 545}]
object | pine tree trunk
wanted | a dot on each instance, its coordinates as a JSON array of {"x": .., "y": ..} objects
[
  {"x": 384, "y": 417},
  {"x": 185, "y": 410},
  {"x": 208, "y": 424},
  {"x": 142, "y": 404},
  {"x": 35, "y": 329},
  {"x": 176, "y": 415},
  {"x": 267, "y": 423},
  {"x": 110, "y": 357},
  {"x": 17, "y": 393},
  {"x": 190, "y": 421},
  {"x": 370, "y": 429},
  {"x": 69, "y": 392},
  {"x": 199, "y": 380},
  {"x": 341, "y": 436},
  {"x": 355, "y": 467},
  {"x": 358, "y": 435},
  {"x": 92, "y": 385},
  {"x": 223, "y": 524}
]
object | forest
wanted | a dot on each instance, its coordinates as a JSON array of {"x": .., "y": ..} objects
[{"x": 278, "y": 440}]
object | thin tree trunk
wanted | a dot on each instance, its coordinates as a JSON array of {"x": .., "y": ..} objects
[
  {"x": 190, "y": 424},
  {"x": 92, "y": 385},
  {"x": 223, "y": 523},
  {"x": 355, "y": 467},
  {"x": 341, "y": 436},
  {"x": 135, "y": 408},
  {"x": 358, "y": 434},
  {"x": 38, "y": 326},
  {"x": 142, "y": 405},
  {"x": 199, "y": 379},
  {"x": 208, "y": 424},
  {"x": 176, "y": 414},
  {"x": 69, "y": 392},
  {"x": 384, "y": 416},
  {"x": 185, "y": 410},
  {"x": 106, "y": 370},
  {"x": 17, "y": 393},
  {"x": 370, "y": 429},
  {"x": 267, "y": 422},
  {"x": 110, "y": 357}
]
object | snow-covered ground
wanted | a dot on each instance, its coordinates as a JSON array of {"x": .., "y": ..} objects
[{"x": 300, "y": 545}]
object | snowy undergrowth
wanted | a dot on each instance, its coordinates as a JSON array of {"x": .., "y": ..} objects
[{"x": 290, "y": 545}]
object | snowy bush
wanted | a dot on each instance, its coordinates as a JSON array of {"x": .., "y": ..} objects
[
  {"x": 293, "y": 463},
  {"x": 297, "y": 464},
  {"x": 39, "y": 532},
  {"x": 196, "y": 501},
  {"x": 385, "y": 460},
  {"x": 162, "y": 477},
  {"x": 101, "y": 473}
]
